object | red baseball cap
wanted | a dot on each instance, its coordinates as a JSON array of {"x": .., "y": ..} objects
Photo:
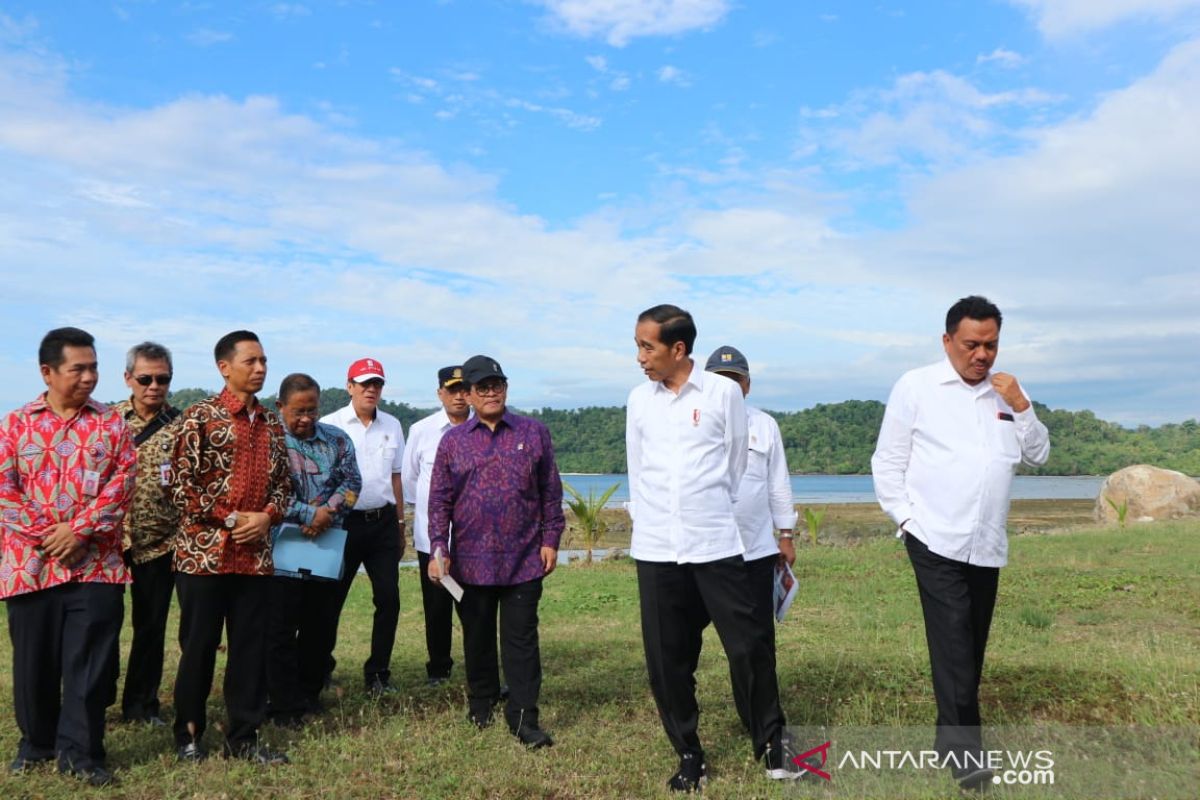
[{"x": 365, "y": 369}]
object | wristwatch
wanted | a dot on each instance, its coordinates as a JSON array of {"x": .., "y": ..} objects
[{"x": 231, "y": 520}]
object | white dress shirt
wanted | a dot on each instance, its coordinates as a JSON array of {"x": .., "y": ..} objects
[
  {"x": 764, "y": 497},
  {"x": 419, "y": 452},
  {"x": 944, "y": 463},
  {"x": 686, "y": 454},
  {"x": 379, "y": 449}
]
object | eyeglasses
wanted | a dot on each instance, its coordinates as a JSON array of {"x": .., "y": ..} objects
[
  {"x": 374, "y": 383},
  {"x": 491, "y": 387},
  {"x": 158, "y": 380}
]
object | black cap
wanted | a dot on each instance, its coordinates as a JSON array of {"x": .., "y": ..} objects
[
  {"x": 728, "y": 359},
  {"x": 449, "y": 376},
  {"x": 478, "y": 369}
]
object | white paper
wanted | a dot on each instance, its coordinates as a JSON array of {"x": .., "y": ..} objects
[
  {"x": 451, "y": 586},
  {"x": 786, "y": 587}
]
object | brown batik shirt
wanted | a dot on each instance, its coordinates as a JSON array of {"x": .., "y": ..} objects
[
  {"x": 227, "y": 460},
  {"x": 153, "y": 519}
]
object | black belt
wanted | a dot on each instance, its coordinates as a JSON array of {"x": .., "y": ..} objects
[{"x": 373, "y": 514}]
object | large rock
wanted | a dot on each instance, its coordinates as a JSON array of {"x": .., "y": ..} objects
[{"x": 1151, "y": 492}]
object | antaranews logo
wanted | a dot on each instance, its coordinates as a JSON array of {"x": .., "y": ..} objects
[{"x": 1010, "y": 767}]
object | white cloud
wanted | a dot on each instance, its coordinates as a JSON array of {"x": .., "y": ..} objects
[
  {"x": 1058, "y": 18},
  {"x": 924, "y": 117},
  {"x": 619, "y": 21},
  {"x": 673, "y": 75},
  {"x": 287, "y": 10},
  {"x": 206, "y": 37},
  {"x": 1001, "y": 57}
]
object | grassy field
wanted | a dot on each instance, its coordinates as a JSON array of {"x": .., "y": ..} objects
[{"x": 1095, "y": 630}]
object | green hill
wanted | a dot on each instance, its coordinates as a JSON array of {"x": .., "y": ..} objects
[{"x": 838, "y": 438}]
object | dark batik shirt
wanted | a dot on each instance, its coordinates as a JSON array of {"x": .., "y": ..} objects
[
  {"x": 502, "y": 492},
  {"x": 225, "y": 461}
]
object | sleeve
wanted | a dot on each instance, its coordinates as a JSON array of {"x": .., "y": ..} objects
[
  {"x": 398, "y": 459},
  {"x": 102, "y": 516},
  {"x": 188, "y": 465},
  {"x": 551, "y": 491},
  {"x": 345, "y": 478},
  {"x": 889, "y": 464},
  {"x": 633, "y": 450},
  {"x": 411, "y": 467},
  {"x": 441, "y": 499},
  {"x": 1033, "y": 436},
  {"x": 19, "y": 517},
  {"x": 779, "y": 482},
  {"x": 279, "y": 489},
  {"x": 736, "y": 435}
]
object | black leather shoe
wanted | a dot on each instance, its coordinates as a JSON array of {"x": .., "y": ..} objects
[
  {"x": 481, "y": 719},
  {"x": 379, "y": 688},
  {"x": 973, "y": 780},
  {"x": 261, "y": 755},
  {"x": 94, "y": 776},
  {"x": 691, "y": 774},
  {"x": 20, "y": 764},
  {"x": 533, "y": 737},
  {"x": 191, "y": 753}
]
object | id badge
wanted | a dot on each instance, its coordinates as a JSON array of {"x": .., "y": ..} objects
[
  {"x": 91, "y": 482},
  {"x": 164, "y": 474}
]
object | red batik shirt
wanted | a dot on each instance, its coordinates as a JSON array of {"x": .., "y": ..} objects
[
  {"x": 46, "y": 464},
  {"x": 227, "y": 461}
]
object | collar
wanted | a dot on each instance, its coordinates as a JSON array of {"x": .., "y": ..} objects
[
  {"x": 473, "y": 422},
  {"x": 946, "y": 373},
  {"x": 350, "y": 417},
  {"x": 127, "y": 411},
  {"x": 320, "y": 433},
  {"x": 39, "y": 404},
  {"x": 696, "y": 378},
  {"x": 235, "y": 405}
]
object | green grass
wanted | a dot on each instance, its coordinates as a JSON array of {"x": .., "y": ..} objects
[{"x": 1092, "y": 628}]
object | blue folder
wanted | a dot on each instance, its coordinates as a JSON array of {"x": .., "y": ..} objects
[{"x": 297, "y": 556}]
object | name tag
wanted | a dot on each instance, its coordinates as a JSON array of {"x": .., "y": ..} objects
[
  {"x": 164, "y": 473},
  {"x": 91, "y": 482}
]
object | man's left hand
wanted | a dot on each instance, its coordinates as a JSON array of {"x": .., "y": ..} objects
[
  {"x": 403, "y": 543},
  {"x": 62, "y": 545},
  {"x": 787, "y": 551},
  {"x": 1007, "y": 387},
  {"x": 549, "y": 559},
  {"x": 251, "y": 525}
]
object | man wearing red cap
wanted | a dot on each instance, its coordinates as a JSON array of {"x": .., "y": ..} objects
[{"x": 374, "y": 531}]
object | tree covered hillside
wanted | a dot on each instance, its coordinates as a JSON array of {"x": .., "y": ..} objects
[{"x": 838, "y": 438}]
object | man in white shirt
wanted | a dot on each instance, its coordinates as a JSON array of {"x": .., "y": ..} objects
[
  {"x": 763, "y": 501},
  {"x": 374, "y": 531},
  {"x": 685, "y": 435},
  {"x": 419, "y": 453},
  {"x": 952, "y": 436}
]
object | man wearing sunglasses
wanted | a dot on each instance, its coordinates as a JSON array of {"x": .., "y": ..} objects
[
  {"x": 495, "y": 481},
  {"x": 374, "y": 529},
  {"x": 151, "y": 525}
]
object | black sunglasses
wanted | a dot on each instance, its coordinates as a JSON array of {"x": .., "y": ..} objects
[{"x": 146, "y": 380}]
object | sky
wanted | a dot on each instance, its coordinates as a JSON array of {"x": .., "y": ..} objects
[{"x": 421, "y": 181}]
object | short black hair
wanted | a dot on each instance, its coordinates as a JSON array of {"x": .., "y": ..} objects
[
  {"x": 677, "y": 325},
  {"x": 50, "y": 351},
  {"x": 972, "y": 307},
  {"x": 296, "y": 382},
  {"x": 229, "y": 342}
]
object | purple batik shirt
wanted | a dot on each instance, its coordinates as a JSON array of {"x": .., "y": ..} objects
[{"x": 501, "y": 491}]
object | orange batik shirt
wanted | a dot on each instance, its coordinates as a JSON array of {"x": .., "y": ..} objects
[{"x": 53, "y": 470}]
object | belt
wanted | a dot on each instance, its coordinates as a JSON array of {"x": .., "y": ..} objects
[{"x": 373, "y": 514}]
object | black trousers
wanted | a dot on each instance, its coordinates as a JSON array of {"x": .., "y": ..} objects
[
  {"x": 302, "y": 623},
  {"x": 517, "y": 607},
  {"x": 439, "y": 620},
  {"x": 65, "y": 663},
  {"x": 957, "y": 600},
  {"x": 206, "y": 604},
  {"x": 678, "y": 601},
  {"x": 373, "y": 542},
  {"x": 150, "y": 604}
]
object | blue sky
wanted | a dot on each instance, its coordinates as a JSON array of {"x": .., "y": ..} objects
[{"x": 421, "y": 181}]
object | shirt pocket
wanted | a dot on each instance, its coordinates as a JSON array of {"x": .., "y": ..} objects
[{"x": 1004, "y": 434}]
